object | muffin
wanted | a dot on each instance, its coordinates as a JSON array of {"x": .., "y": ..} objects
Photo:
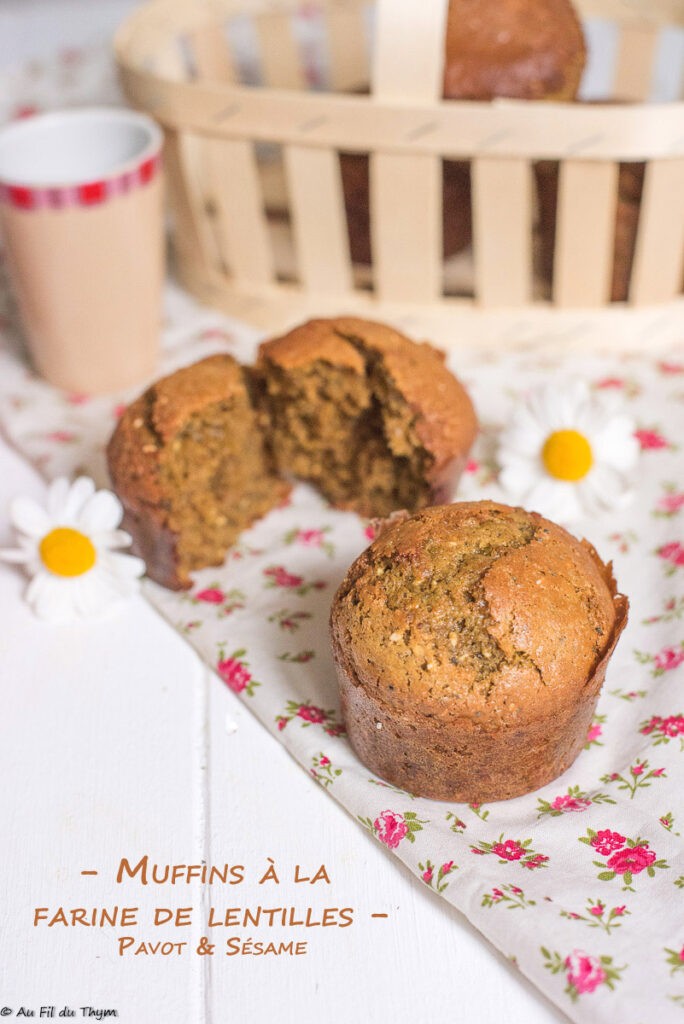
[
  {"x": 471, "y": 642},
  {"x": 519, "y": 49},
  {"x": 372, "y": 419},
  {"x": 192, "y": 468}
]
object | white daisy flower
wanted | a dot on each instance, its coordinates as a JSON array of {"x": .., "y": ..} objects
[
  {"x": 568, "y": 453},
  {"x": 69, "y": 548}
]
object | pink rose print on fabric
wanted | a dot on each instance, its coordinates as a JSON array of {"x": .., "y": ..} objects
[
  {"x": 605, "y": 842},
  {"x": 639, "y": 776},
  {"x": 595, "y": 732},
  {"x": 584, "y": 973},
  {"x": 278, "y": 576},
  {"x": 651, "y": 440},
  {"x": 570, "y": 803},
  {"x": 288, "y": 620},
  {"x": 436, "y": 877},
  {"x": 666, "y": 660},
  {"x": 672, "y": 554},
  {"x": 224, "y": 601},
  {"x": 512, "y": 850},
  {"x": 323, "y": 770},
  {"x": 662, "y": 730},
  {"x": 669, "y": 658},
  {"x": 596, "y": 915},
  {"x": 626, "y": 857},
  {"x": 234, "y": 672},
  {"x": 309, "y": 714},
  {"x": 671, "y": 502},
  {"x": 632, "y": 861},
  {"x": 311, "y": 538},
  {"x": 511, "y": 896},
  {"x": 573, "y": 802},
  {"x": 391, "y": 827},
  {"x": 675, "y": 959}
]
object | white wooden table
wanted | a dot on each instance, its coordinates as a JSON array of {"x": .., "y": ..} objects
[{"x": 114, "y": 743}]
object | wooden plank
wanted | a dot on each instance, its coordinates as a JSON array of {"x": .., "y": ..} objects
[
  {"x": 508, "y": 128},
  {"x": 347, "y": 48},
  {"x": 281, "y": 66},
  {"x": 406, "y": 190},
  {"x": 659, "y": 254},
  {"x": 502, "y": 231},
  {"x": 212, "y": 55},
  {"x": 583, "y": 264},
  {"x": 406, "y": 226},
  {"x": 318, "y": 219},
  {"x": 408, "y": 59},
  {"x": 635, "y": 59},
  {"x": 235, "y": 199},
  {"x": 184, "y": 200}
]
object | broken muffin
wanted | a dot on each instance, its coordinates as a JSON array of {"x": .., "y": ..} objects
[
  {"x": 192, "y": 468},
  {"x": 372, "y": 419}
]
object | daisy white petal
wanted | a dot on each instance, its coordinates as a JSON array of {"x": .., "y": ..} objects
[
  {"x": 27, "y": 516},
  {"x": 102, "y": 511},
  {"x": 111, "y": 539},
  {"x": 57, "y": 496},
  {"x": 80, "y": 492},
  {"x": 128, "y": 565},
  {"x": 19, "y": 556}
]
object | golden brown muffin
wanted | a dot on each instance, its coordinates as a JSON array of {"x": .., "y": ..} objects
[
  {"x": 371, "y": 418},
  {"x": 471, "y": 642},
  {"x": 189, "y": 462},
  {"x": 522, "y": 49},
  {"x": 519, "y": 49}
]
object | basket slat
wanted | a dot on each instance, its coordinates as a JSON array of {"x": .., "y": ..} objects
[
  {"x": 502, "y": 231},
  {"x": 349, "y": 64},
  {"x": 319, "y": 224},
  {"x": 406, "y": 226},
  {"x": 280, "y": 62},
  {"x": 635, "y": 60},
  {"x": 234, "y": 192},
  {"x": 659, "y": 254},
  {"x": 587, "y": 200},
  {"x": 213, "y": 56},
  {"x": 406, "y": 190},
  {"x": 408, "y": 62},
  {"x": 180, "y": 188}
]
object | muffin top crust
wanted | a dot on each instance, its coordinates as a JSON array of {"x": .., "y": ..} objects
[{"x": 476, "y": 610}]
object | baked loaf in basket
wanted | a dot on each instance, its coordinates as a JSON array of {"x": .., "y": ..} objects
[
  {"x": 471, "y": 643},
  {"x": 520, "y": 49}
]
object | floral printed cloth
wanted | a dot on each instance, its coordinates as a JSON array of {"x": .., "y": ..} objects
[{"x": 593, "y": 862}]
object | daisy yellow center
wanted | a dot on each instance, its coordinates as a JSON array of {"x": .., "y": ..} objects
[
  {"x": 567, "y": 455},
  {"x": 67, "y": 552}
]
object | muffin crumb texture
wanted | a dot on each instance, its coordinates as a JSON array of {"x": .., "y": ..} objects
[
  {"x": 477, "y": 635},
  {"x": 375, "y": 421}
]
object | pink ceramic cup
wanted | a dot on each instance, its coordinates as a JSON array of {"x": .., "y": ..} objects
[{"x": 82, "y": 224}]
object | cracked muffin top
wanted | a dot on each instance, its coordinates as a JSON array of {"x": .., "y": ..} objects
[{"x": 475, "y": 610}]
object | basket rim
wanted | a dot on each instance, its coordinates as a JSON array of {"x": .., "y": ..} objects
[{"x": 502, "y": 128}]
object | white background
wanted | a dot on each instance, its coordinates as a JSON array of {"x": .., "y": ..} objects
[{"x": 114, "y": 742}]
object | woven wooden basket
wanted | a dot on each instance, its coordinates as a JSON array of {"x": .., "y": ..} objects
[{"x": 252, "y": 156}]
